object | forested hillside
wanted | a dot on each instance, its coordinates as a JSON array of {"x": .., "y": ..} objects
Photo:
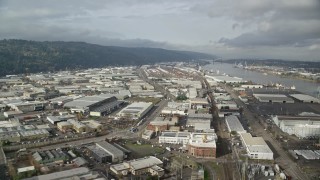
[{"x": 21, "y": 56}]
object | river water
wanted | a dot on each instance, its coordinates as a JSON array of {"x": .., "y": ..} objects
[{"x": 306, "y": 87}]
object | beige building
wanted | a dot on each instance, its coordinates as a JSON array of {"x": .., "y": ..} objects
[
  {"x": 64, "y": 126},
  {"x": 78, "y": 126},
  {"x": 140, "y": 166}
]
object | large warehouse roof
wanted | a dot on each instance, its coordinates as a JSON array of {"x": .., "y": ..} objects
[
  {"x": 305, "y": 98},
  {"x": 136, "y": 107},
  {"x": 86, "y": 101},
  {"x": 273, "y": 97},
  {"x": 112, "y": 150},
  {"x": 234, "y": 124}
]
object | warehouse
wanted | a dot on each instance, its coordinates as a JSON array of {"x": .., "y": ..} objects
[
  {"x": 56, "y": 119},
  {"x": 199, "y": 121},
  {"x": 10, "y": 137},
  {"x": 116, "y": 154},
  {"x": 136, "y": 110},
  {"x": 106, "y": 108},
  {"x": 64, "y": 126},
  {"x": 256, "y": 147},
  {"x": 227, "y": 105},
  {"x": 198, "y": 103},
  {"x": 88, "y": 103},
  {"x": 140, "y": 166},
  {"x": 99, "y": 154},
  {"x": 174, "y": 137},
  {"x": 27, "y": 106},
  {"x": 60, "y": 101},
  {"x": 273, "y": 98},
  {"x": 301, "y": 126},
  {"x": 233, "y": 124},
  {"x": 74, "y": 173},
  {"x": 305, "y": 98},
  {"x": 78, "y": 126},
  {"x": 34, "y": 134}
]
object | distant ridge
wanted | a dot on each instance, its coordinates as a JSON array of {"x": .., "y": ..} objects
[{"x": 21, "y": 56}]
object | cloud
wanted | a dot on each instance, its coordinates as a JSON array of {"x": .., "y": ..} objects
[{"x": 242, "y": 28}]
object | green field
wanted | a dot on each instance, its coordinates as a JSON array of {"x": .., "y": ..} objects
[{"x": 144, "y": 149}]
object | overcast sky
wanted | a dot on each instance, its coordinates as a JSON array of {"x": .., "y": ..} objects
[{"x": 285, "y": 29}]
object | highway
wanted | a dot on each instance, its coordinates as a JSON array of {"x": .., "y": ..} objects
[{"x": 283, "y": 159}]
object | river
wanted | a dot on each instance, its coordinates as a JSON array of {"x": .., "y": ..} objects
[{"x": 306, "y": 87}]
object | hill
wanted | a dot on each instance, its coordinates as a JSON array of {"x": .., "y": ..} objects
[{"x": 21, "y": 56}]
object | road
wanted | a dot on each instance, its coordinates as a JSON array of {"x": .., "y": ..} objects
[{"x": 283, "y": 159}]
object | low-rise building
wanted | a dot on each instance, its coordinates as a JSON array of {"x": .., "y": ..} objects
[
  {"x": 301, "y": 126},
  {"x": 140, "y": 166},
  {"x": 78, "y": 126},
  {"x": 202, "y": 145},
  {"x": 273, "y": 98},
  {"x": 34, "y": 134},
  {"x": 99, "y": 154},
  {"x": 136, "y": 110},
  {"x": 168, "y": 137},
  {"x": 305, "y": 98},
  {"x": 116, "y": 154},
  {"x": 64, "y": 126},
  {"x": 147, "y": 134},
  {"x": 74, "y": 173},
  {"x": 10, "y": 137},
  {"x": 233, "y": 124},
  {"x": 256, "y": 147}
]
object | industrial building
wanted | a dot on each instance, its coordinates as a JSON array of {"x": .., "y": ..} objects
[
  {"x": 56, "y": 119},
  {"x": 10, "y": 136},
  {"x": 147, "y": 134},
  {"x": 252, "y": 86},
  {"x": 202, "y": 145},
  {"x": 227, "y": 105},
  {"x": 64, "y": 126},
  {"x": 198, "y": 103},
  {"x": 199, "y": 121},
  {"x": 301, "y": 126},
  {"x": 78, "y": 126},
  {"x": 273, "y": 98},
  {"x": 136, "y": 110},
  {"x": 49, "y": 156},
  {"x": 60, "y": 101},
  {"x": 305, "y": 98},
  {"x": 233, "y": 124},
  {"x": 256, "y": 147},
  {"x": 75, "y": 173},
  {"x": 100, "y": 103},
  {"x": 183, "y": 138},
  {"x": 169, "y": 137},
  {"x": 226, "y": 79},
  {"x": 106, "y": 108},
  {"x": 116, "y": 154},
  {"x": 160, "y": 124},
  {"x": 99, "y": 154},
  {"x": 140, "y": 166},
  {"x": 34, "y": 134}
]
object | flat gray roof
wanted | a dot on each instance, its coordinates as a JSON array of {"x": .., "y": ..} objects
[
  {"x": 61, "y": 174},
  {"x": 304, "y": 97},
  {"x": 234, "y": 124},
  {"x": 112, "y": 150}
]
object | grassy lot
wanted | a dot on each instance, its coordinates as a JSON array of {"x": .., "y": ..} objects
[{"x": 143, "y": 150}]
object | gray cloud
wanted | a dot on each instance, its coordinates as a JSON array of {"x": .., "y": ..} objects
[{"x": 244, "y": 28}]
